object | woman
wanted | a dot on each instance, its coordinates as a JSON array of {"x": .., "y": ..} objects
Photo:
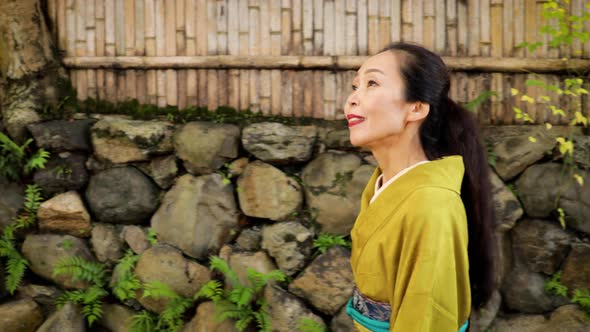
[{"x": 422, "y": 245}]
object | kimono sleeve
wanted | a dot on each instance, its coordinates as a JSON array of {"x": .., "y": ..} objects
[{"x": 432, "y": 285}]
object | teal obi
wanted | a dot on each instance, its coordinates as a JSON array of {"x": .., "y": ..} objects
[{"x": 374, "y": 315}]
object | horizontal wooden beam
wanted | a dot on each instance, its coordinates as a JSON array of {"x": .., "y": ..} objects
[{"x": 480, "y": 64}]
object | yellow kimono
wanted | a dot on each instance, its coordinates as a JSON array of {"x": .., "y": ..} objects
[{"x": 409, "y": 248}]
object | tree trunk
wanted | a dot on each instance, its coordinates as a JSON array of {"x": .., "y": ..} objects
[{"x": 29, "y": 66}]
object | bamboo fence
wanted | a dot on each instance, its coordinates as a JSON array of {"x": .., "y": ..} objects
[{"x": 298, "y": 57}]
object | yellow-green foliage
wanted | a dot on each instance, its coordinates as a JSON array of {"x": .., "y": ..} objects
[
  {"x": 326, "y": 241},
  {"x": 17, "y": 160},
  {"x": 127, "y": 283}
]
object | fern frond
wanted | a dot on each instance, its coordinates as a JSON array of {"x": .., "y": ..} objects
[
  {"x": 16, "y": 266},
  {"x": 144, "y": 321},
  {"x": 80, "y": 269},
  {"x": 92, "y": 311},
  {"x": 243, "y": 323},
  {"x": 127, "y": 283},
  {"x": 241, "y": 296},
  {"x": 258, "y": 280},
  {"x": 554, "y": 285},
  {"x": 309, "y": 325},
  {"x": 262, "y": 321},
  {"x": 75, "y": 297},
  {"x": 582, "y": 298},
  {"x": 172, "y": 315},
  {"x": 211, "y": 290},
  {"x": 157, "y": 289},
  {"x": 218, "y": 264},
  {"x": 36, "y": 161}
]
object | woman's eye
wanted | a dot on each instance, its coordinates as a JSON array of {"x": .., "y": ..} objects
[
  {"x": 354, "y": 87},
  {"x": 371, "y": 83}
]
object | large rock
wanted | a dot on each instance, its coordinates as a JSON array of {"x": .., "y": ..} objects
[
  {"x": 63, "y": 135},
  {"x": 65, "y": 213},
  {"x": 540, "y": 245},
  {"x": 163, "y": 171},
  {"x": 167, "y": 265},
  {"x": 121, "y": 141},
  {"x": 46, "y": 296},
  {"x": 43, "y": 251},
  {"x": 483, "y": 317},
  {"x": 250, "y": 238},
  {"x": 576, "y": 269},
  {"x": 11, "y": 201},
  {"x": 582, "y": 151},
  {"x": 122, "y": 195},
  {"x": 287, "y": 313},
  {"x": 519, "y": 323},
  {"x": 67, "y": 319},
  {"x": 524, "y": 291},
  {"x": 205, "y": 320},
  {"x": 514, "y": 151},
  {"x": 342, "y": 322},
  {"x": 338, "y": 139},
  {"x": 327, "y": 282},
  {"x": 20, "y": 316},
  {"x": 204, "y": 146},
  {"x": 106, "y": 242},
  {"x": 568, "y": 318},
  {"x": 136, "y": 238},
  {"x": 197, "y": 215},
  {"x": 63, "y": 172},
  {"x": 335, "y": 180},
  {"x": 277, "y": 143},
  {"x": 289, "y": 243},
  {"x": 116, "y": 317},
  {"x": 240, "y": 262},
  {"x": 507, "y": 208},
  {"x": 539, "y": 197},
  {"x": 266, "y": 192}
]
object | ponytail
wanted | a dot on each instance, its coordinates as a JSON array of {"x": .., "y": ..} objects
[{"x": 450, "y": 129}]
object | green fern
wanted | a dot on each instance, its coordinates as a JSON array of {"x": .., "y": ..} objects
[
  {"x": 582, "y": 298},
  {"x": 326, "y": 241},
  {"x": 211, "y": 290},
  {"x": 218, "y": 264},
  {"x": 14, "y": 161},
  {"x": 309, "y": 325},
  {"x": 554, "y": 285},
  {"x": 171, "y": 318},
  {"x": 127, "y": 283},
  {"x": 90, "y": 299},
  {"x": 152, "y": 237},
  {"x": 16, "y": 264},
  {"x": 144, "y": 321}
]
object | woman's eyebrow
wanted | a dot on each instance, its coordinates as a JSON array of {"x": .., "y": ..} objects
[{"x": 371, "y": 70}]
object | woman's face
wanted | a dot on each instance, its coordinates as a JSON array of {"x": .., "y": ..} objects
[{"x": 376, "y": 109}]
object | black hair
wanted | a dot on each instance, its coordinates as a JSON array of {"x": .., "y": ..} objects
[{"x": 449, "y": 129}]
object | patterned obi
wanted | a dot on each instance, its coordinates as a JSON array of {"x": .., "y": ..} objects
[{"x": 372, "y": 314}]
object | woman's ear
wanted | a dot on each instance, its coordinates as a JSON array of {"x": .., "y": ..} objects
[{"x": 419, "y": 111}]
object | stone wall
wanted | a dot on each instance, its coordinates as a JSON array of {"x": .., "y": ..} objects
[{"x": 257, "y": 196}]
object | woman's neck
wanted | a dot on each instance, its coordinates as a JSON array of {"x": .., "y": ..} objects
[{"x": 397, "y": 155}]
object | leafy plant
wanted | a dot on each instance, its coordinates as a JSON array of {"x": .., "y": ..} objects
[
  {"x": 152, "y": 237},
  {"x": 171, "y": 318},
  {"x": 554, "y": 285},
  {"x": 582, "y": 298},
  {"x": 16, "y": 264},
  {"x": 240, "y": 302},
  {"x": 326, "y": 241},
  {"x": 472, "y": 105},
  {"x": 90, "y": 299},
  {"x": 126, "y": 283},
  {"x": 309, "y": 325},
  {"x": 16, "y": 160},
  {"x": 144, "y": 321}
]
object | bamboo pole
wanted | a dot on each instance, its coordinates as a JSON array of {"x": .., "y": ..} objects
[
  {"x": 100, "y": 47},
  {"x": 577, "y": 8},
  {"x": 474, "y": 28},
  {"x": 307, "y": 26},
  {"x": 286, "y": 21},
  {"x": 497, "y": 101},
  {"x": 396, "y": 20},
  {"x": 339, "y": 26},
  {"x": 287, "y": 78},
  {"x": 485, "y": 64},
  {"x": 222, "y": 26},
  {"x": 150, "y": 50},
  {"x": 439, "y": 27},
  {"x": 485, "y": 28},
  {"x": 130, "y": 77},
  {"x": 329, "y": 95},
  {"x": 508, "y": 113},
  {"x": 202, "y": 26},
  {"x": 518, "y": 19},
  {"x": 110, "y": 80},
  {"x": 497, "y": 16},
  {"x": 160, "y": 30},
  {"x": 418, "y": 12},
  {"x": 70, "y": 30},
  {"x": 351, "y": 28},
  {"x": 462, "y": 28},
  {"x": 318, "y": 27},
  {"x": 191, "y": 50},
  {"x": 318, "y": 96},
  {"x": 275, "y": 27},
  {"x": 373, "y": 26},
  {"x": 508, "y": 28},
  {"x": 298, "y": 86},
  {"x": 203, "y": 90},
  {"x": 276, "y": 91},
  {"x": 254, "y": 49},
  {"x": 233, "y": 27},
  {"x": 81, "y": 76},
  {"x": 90, "y": 20},
  {"x": 451, "y": 27},
  {"x": 362, "y": 27},
  {"x": 307, "y": 76},
  {"x": 384, "y": 23},
  {"x": 222, "y": 92},
  {"x": 407, "y": 21},
  {"x": 530, "y": 24},
  {"x": 296, "y": 27},
  {"x": 234, "y": 89},
  {"x": 265, "y": 91},
  {"x": 61, "y": 25},
  {"x": 212, "y": 102},
  {"x": 428, "y": 25},
  {"x": 264, "y": 15},
  {"x": 181, "y": 49},
  {"x": 330, "y": 29}
]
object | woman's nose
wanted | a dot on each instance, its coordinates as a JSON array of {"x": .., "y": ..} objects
[{"x": 353, "y": 99}]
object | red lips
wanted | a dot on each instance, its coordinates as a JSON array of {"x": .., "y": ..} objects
[{"x": 354, "y": 119}]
